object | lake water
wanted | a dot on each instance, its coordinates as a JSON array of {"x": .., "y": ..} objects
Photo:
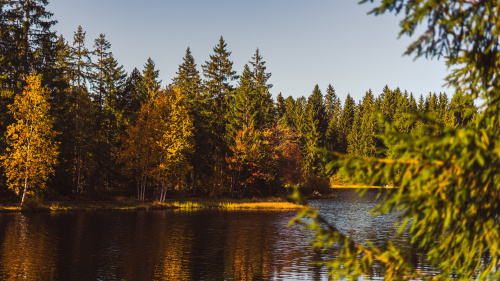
[{"x": 181, "y": 245}]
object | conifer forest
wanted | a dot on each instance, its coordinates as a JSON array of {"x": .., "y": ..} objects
[{"x": 74, "y": 123}]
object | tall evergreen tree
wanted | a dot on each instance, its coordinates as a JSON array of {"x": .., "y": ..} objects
[
  {"x": 245, "y": 109},
  {"x": 80, "y": 60},
  {"x": 108, "y": 80},
  {"x": 218, "y": 72},
  {"x": 188, "y": 78},
  {"x": 27, "y": 40},
  {"x": 288, "y": 119},
  {"x": 131, "y": 97},
  {"x": 389, "y": 103},
  {"x": 280, "y": 107},
  {"x": 346, "y": 121},
  {"x": 199, "y": 108},
  {"x": 317, "y": 121},
  {"x": 333, "y": 109},
  {"x": 265, "y": 110},
  {"x": 150, "y": 82},
  {"x": 99, "y": 73}
]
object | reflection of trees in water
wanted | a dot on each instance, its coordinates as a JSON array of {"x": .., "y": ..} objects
[
  {"x": 178, "y": 245},
  {"x": 28, "y": 249}
]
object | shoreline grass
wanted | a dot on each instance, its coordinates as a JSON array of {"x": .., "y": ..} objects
[
  {"x": 354, "y": 186},
  {"x": 264, "y": 204}
]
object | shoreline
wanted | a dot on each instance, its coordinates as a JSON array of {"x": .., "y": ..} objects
[
  {"x": 184, "y": 204},
  {"x": 354, "y": 186}
]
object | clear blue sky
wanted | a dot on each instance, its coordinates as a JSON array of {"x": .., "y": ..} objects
[{"x": 304, "y": 42}]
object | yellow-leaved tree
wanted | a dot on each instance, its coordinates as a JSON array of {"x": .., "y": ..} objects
[
  {"x": 157, "y": 147},
  {"x": 32, "y": 154},
  {"x": 176, "y": 140}
]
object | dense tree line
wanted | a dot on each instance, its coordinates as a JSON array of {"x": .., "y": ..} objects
[{"x": 211, "y": 133}]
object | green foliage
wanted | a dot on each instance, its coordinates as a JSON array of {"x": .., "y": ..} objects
[
  {"x": 150, "y": 83},
  {"x": 188, "y": 78},
  {"x": 346, "y": 121},
  {"x": 447, "y": 178},
  {"x": 313, "y": 182}
]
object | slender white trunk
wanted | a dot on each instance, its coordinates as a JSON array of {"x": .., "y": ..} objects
[{"x": 26, "y": 171}]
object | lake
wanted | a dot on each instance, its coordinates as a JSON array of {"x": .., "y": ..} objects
[{"x": 182, "y": 245}]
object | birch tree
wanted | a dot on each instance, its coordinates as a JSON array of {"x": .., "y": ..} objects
[{"x": 33, "y": 152}]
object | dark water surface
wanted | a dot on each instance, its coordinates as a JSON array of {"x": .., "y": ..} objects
[{"x": 179, "y": 245}]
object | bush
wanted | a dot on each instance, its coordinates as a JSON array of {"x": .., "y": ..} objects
[{"x": 314, "y": 182}]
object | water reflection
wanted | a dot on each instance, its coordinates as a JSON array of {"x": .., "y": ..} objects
[
  {"x": 24, "y": 241},
  {"x": 177, "y": 245}
]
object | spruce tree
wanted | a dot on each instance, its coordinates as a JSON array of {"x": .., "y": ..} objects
[
  {"x": 317, "y": 110},
  {"x": 367, "y": 146},
  {"x": 132, "y": 97},
  {"x": 389, "y": 103},
  {"x": 462, "y": 108},
  {"x": 354, "y": 136},
  {"x": 280, "y": 107},
  {"x": 333, "y": 109},
  {"x": 288, "y": 119},
  {"x": 244, "y": 111},
  {"x": 346, "y": 121},
  {"x": 314, "y": 130},
  {"x": 108, "y": 80},
  {"x": 190, "y": 86},
  {"x": 150, "y": 82},
  {"x": 218, "y": 92},
  {"x": 80, "y": 60},
  {"x": 265, "y": 113},
  {"x": 218, "y": 74},
  {"x": 188, "y": 78},
  {"x": 27, "y": 41},
  {"x": 99, "y": 69}
]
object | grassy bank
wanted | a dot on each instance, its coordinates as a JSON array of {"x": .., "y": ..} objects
[
  {"x": 271, "y": 204},
  {"x": 342, "y": 185}
]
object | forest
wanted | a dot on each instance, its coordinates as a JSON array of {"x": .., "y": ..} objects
[{"x": 73, "y": 123}]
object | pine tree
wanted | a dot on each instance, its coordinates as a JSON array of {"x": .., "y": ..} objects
[
  {"x": 280, "y": 107},
  {"x": 300, "y": 119},
  {"x": 462, "y": 108},
  {"x": 33, "y": 152},
  {"x": 218, "y": 73},
  {"x": 218, "y": 93},
  {"x": 73, "y": 114},
  {"x": 131, "y": 97},
  {"x": 354, "y": 136},
  {"x": 199, "y": 108},
  {"x": 265, "y": 113},
  {"x": 346, "y": 121},
  {"x": 288, "y": 119},
  {"x": 27, "y": 41},
  {"x": 188, "y": 78},
  {"x": 108, "y": 81},
  {"x": 369, "y": 127},
  {"x": 389, "y": 103},
  {"x": 99, "y": 73},
  {"x": 80, "y": 60},
  {"x": 245, "y": 108},
  {"x": 150, "y": 82},
  {"x": 333, "y": 109},
  {"x": 315, "y": 128}
]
